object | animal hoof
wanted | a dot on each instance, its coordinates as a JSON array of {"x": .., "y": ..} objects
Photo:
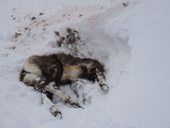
[
  {"x": 76, "y": 105},
  {"x": 71, "y": 103},
  {"x": 105, "y": 88},
  {"x": 55, "y": 112}
]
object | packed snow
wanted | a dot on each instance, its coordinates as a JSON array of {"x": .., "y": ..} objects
[{"x": 131, "y": 38}]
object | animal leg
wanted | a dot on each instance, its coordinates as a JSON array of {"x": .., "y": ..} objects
[
  {"x": 76, "y": 87},
  {"x": 55, "y": 111},
  {"x": 102, "y": 81},
  {"x": 64, "y": 97},
  {"x": 53, "y": 108},
  {"x": 39, "y": 83}
]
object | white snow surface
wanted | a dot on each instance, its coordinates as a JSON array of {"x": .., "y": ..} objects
[{"x": 132, "y": 42}]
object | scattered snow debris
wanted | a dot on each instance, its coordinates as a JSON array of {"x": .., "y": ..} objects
[
  {"x": 33, "y": 18},
  {"x": 41, "y": 14},
  {"x": 17, "y": 34},
  {"x": 70, "y": 41},
  {"x": 12, "y": 47},
  {"x": 80, "y": 15},
  {"x": 64, "y": 15},
  {"x": 56, "y": 33},
  {"x": 125, "y": 4},
  {"x": 26, "y": 28}
]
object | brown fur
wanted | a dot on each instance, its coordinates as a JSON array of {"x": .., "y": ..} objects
[{"x": 63, "y": 69}]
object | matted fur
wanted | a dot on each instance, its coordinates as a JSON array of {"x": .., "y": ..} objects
[{"x": 46, "y": 73}]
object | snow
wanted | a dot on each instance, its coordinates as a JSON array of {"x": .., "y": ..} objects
[{"x": 132, "y": 41}]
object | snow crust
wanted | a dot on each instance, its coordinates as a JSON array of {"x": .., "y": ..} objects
[{"x": 111, "y": 32}]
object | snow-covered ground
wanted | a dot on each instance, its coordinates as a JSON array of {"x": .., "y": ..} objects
[{"x": 132, "y": 41}]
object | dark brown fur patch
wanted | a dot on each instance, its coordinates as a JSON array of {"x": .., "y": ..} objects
[
  {"x": 71, "y": 60},
  {"x": 52, "y": 67}
]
